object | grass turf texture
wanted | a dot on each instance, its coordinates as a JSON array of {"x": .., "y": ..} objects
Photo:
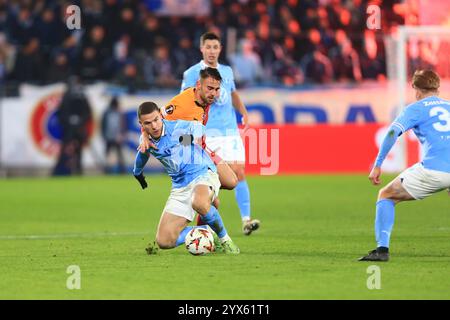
[{"x": 313, "y": 230}]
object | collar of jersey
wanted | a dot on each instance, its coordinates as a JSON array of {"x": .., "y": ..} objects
[
  {"x": 203, "y": 65},
  {"x": 198, "y": 104}
]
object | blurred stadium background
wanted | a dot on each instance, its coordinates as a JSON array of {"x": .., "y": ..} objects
[{"x": 326, "y": 73}]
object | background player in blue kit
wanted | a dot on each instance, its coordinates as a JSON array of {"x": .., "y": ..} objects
[
  {"x": 195, "y": 182},
  {"x": 222, "y": 130},
  {"x": 429, "y": 118}
]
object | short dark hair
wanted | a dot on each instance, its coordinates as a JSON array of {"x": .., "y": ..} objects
[
  {"x": 209, "y": 36},
  {"x": 426, "y": 80},
  {"x": 147, "y": 108},
  {"x": 210, "y": 73}
]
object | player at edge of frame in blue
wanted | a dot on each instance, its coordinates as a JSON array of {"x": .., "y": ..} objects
[{"x": 429, "y": 118}]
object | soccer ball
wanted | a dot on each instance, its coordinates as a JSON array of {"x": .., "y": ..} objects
[{"x": 199, "y": 242}]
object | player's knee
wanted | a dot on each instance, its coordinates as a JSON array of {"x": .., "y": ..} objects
[
  {"x": 234, "y": 182},
  {"x": 240, "y": 173},
  {"x": 165, "y": 240},
  {"x": 384, "y": 193},
  {"x": 230, "y": 183},
  {"x": 216, "y": 203},
  {"x": 201, "y": 206}
]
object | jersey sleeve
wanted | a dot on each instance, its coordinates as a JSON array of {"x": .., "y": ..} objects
[
  {"x": 140, "y": 162},
  {"x": 409, "y": 117},
  {"x": 388, "y": 142},
  {"x": 190, "y": 78},
  {"x": 170, "y": 111}
]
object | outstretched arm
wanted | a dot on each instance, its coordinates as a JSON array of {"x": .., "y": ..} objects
[
  {"x": 239, "y": 106},
  {"x": 388, "y": 142}
]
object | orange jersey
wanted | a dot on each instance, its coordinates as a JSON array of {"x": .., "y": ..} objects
[{"x": 185, "y": 107}]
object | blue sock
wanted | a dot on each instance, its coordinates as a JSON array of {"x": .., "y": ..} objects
[
  {"x": 184, "y": 233},
  {"x": 214, "y": 220},
  {"x": 242, "y": 194},
  {"x": 384, "y": 221}
]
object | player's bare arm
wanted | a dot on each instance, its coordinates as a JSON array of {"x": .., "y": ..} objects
[
  {"x": 239, "y": 106},
  {"x": 374, "y": 176}
]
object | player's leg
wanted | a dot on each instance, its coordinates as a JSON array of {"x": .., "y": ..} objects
[
  {"x": 231, "y": 149},
  {"x": 173, "y": 226},
  {"x": 394, "y": 192},
  {"x": 198, "y": 219},
  {"x": 242, "y": 194},
  {"x": 171, "y": 230},
  {"x": 414, "y": 183},
  {"x": 120, "y": 158},
  {"x": 227, "y": 177},
  {"x": 107, "y": 152},
  {"x": 203, "y": 195},
  {"x": 388, "y": 197}
]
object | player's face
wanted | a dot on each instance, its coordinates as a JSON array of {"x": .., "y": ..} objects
[
  {"x": 209, "y": 89},
  {"x": 152, "y": 124},
  {"x": 211, "y": 51}
]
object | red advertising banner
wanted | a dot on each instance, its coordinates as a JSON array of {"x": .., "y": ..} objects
[{"x": 288, "y": 149}]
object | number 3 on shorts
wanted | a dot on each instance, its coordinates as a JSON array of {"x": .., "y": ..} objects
[{"x": 444, "y": 116}]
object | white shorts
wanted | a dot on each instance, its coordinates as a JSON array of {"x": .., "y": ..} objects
[
  {"x": 180, "y": 199},
  {"x": 229, "y": 148},
  {"x": 421, "y": 183}
]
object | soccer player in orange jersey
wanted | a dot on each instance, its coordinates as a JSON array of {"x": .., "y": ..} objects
[
  {"x": 193, "y": 105},
  {"x": 223, "y": 131}
]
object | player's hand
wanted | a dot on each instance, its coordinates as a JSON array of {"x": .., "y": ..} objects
[
  {"x": 146, "y": 144},
  {"x": 141, "y": 179},
  {"x": 374, "y": 176},
  {"x": 245, "y": 122}
]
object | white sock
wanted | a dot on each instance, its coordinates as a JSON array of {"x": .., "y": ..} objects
[{"x": 225, "y": 238}]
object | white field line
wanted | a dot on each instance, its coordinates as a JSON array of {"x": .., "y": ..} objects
[{"x": 70, "y": 235}]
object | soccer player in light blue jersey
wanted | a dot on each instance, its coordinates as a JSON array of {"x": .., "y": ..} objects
[
  {"x": 195, "y": 182},
  {"x": 223, "y": 136},
  {"x": 429, "y": 118}
]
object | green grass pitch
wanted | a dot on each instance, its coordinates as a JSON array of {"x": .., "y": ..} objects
[{"x": 313, "y": 230}]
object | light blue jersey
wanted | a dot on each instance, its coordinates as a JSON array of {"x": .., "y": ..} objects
[
  {"x": 222, "y": 116},
  {"x": 182, "y": 159},
  {"x": 430, "y": 120}
]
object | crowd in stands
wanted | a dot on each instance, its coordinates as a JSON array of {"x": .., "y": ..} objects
[{"x": 284, "y": 42}]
